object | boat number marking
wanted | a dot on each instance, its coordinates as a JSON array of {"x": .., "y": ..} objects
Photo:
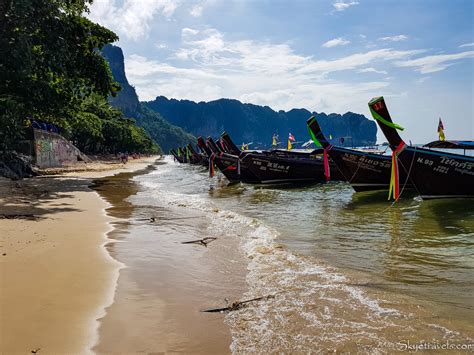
[{"x": 425, "y": 161}]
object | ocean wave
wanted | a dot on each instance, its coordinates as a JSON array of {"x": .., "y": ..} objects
[{"x": 312, "y": 302}]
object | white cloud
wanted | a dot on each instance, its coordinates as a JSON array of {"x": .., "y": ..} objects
[
  {"x": 394, "y": 38},
  {"x": 423, "y": 79},
  {"x": 208, "y": 66},
  {"x": 196, "y": 10},
  {"x": 466, "y": 45},
  {"x": 188, "y": 32},
  {"x": 354, "y": 61},
  {"x": 133, "y": 17},
  {"x": 434, "y": 63},
  {"x": 336, "y": 42},
  {"x": 372, "y": 70},
  {"x": 283, "y": 91},
  {"x": 341, "y": 5},
  {"x": 200, "y": 44}
]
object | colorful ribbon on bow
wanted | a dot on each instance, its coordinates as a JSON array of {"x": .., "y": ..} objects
[
  {"x": 221, "y": 141},
  {"x": 394, "y": 178},
  {"x": 376, "y": 116},
  {"x": 188, "y": 154},
  {"x": 211, "y": 165},
  {"x": 327, "y": 171}
]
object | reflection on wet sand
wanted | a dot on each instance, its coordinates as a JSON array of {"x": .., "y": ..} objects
[{"x": 164, "y": 284}]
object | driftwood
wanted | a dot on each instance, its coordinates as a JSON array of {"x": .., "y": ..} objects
[
  {"x": 237, "y": 305},
  {"x": 204, "y": 241},
  {"x": 154, "y": 219},
  {"x": 151, "y": 219}
]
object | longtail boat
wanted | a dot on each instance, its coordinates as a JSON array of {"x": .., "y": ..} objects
[
  {"x": 229, "y": 164},
  {"x": 228, "y": 145},
  {"x": 176, "y": 156},
  {"x": 458, "y": 145},
  {"x": 203, "y": 146},
  {"x": 206, "y": 152},
  {"x": 282, "y": 166},
  {"x": 365, "y": 171},
  {"x": 194, "y": 157},
  {"x": 435, "y": 174},
  {"x": 182, "y": 154}
]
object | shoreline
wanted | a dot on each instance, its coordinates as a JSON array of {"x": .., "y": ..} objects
[
  {"x": 57, "y": 276},
  {"x": 164, "y": 288}
]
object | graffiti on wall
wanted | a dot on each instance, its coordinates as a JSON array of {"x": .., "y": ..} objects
[{"x": 53, "y": 150}]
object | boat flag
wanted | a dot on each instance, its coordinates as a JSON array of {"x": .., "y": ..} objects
[
  {"x": 290, "y": 146},
  {"x": 274, "y": 140},
  {"x": 441, "y": 130},
  {"x": 291, "y": 137}
]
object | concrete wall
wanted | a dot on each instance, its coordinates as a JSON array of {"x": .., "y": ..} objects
[{"x": 53, "y": 150}]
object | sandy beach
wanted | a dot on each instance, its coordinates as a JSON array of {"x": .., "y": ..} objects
[
  {"x": 99, "y": 262},
  {"x": 56, "y": 275}
]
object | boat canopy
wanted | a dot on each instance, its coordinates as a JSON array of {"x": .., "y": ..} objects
[{"x": 451, "y": 144}]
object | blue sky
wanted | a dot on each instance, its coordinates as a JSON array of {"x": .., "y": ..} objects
[{"x": 325, "y": 55}]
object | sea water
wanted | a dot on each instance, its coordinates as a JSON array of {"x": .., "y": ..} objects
[{"x": 341, "y": 270}]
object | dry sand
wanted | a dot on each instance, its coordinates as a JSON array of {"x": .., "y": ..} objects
[{"x": 56, "y": 277}]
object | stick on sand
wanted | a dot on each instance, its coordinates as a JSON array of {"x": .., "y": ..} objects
[
  {"x": 204, "y": 241},
  {"x": 237, "y": 305}
]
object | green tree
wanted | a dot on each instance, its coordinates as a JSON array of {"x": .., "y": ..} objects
[
  {"x": 49, "y": 62},
  {"x": 100, "y": 128}
]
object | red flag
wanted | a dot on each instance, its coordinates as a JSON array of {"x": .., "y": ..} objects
[{"x": 291, "y": 137}]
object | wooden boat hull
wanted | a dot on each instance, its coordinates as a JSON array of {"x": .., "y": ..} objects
[
  {"x": 434, "y": 174},
  {"x": 234, "y": 170},
  {"x": 277, "y": 167},
  {"x": 365, "y": 171},
  {"x": 437, "y": 174}
]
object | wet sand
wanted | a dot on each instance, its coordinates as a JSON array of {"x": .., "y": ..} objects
[
  {"x": 166, "y": 284},
  {"x": 56, "y": 276}
]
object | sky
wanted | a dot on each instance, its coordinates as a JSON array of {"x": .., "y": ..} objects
[{"x": 322, "y": 55}]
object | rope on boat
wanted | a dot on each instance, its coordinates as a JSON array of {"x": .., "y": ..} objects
[{"x": 355, "y": 173}]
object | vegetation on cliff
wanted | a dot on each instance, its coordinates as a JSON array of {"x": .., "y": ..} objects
[
  {"x": 254, "y": 123},
  {"x": 163, "y": 132}
]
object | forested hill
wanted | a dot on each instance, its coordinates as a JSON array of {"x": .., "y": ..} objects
[
  {"x": 253, "y": 123},
  {"x": 161, "y": 131},
  {"x": 168, "y": 120}
]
